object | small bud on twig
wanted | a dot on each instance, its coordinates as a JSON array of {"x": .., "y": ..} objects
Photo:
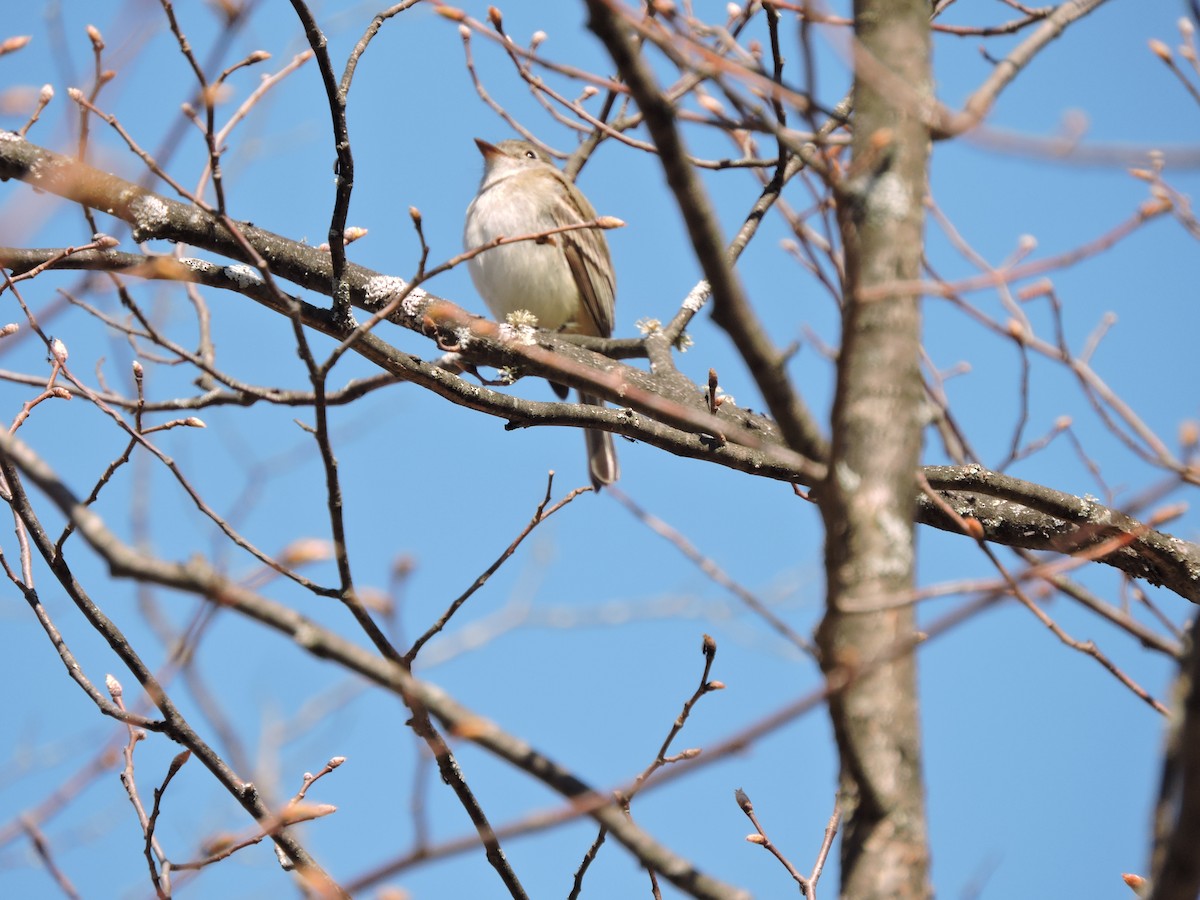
[
  {"x": 454, "y": 14},
  {"x": 1159, "y": 49},
  {"x": 1039, "y": 288},
  {"x": 1155, "y": 207},
  {"x": 1136, "y": 883},
  {"x": 712, "y": 104},
  {"x": 179, "y": 759},
  {"x": 306, "y": 550},
  {"x": 13, "y": 44},
  {"x": 743, "y": 800},
  {"x": 1189, "y": 434}
]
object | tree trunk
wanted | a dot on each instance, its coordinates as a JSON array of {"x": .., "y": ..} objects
[{"x": 868, "y": 499}]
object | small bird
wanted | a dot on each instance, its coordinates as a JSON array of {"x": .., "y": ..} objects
[{"x": 566, "y": 281}]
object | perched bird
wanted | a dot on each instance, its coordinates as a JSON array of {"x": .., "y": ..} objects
[{"x": 566, "y": 281}]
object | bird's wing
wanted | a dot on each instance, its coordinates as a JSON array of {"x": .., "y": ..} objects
[{"x": 591, "y": 267}]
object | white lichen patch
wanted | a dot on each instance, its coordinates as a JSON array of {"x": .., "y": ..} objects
[
  {"x": 414, "y": 303},
  {"x": 899, "y": 539},
  {"x": 890, "y": 198},
  {"x": 243, "y": 276},
  {"x": 516, "y": 334},
  {"x": 463, "y": 336},
  {"x": 382, "y": 288},
  {"x": 521, "y": 318},
  {"x": 40, "y": 167},
  {"x": 848, "y": 479},
  {"x": 648, "y": 325},
  {"x": 697, "y": 297},
  {"x": 150, "y": 213}
]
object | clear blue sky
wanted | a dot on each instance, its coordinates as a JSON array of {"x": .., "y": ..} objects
[{"x": 1041, "y": 768}]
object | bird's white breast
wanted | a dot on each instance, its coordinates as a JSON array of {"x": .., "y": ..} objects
[{"x": 529, "y": 275}]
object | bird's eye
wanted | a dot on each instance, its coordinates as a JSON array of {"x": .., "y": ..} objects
[{"x": 529, "y": 154}]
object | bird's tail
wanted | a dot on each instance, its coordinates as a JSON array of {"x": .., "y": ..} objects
[{"x": 602, "y": 454}]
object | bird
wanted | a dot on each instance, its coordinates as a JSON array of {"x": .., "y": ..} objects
[{"x": 566, "y": 281}]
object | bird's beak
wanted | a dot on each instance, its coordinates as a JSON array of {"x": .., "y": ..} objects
[{"x": 488, "y": 150}]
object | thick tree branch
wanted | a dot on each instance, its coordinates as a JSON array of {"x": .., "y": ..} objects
[
  {"x": 1019, "y": 513},
  {"x": 1012, "y": 512},
  {"x": 156, "y": 217}
]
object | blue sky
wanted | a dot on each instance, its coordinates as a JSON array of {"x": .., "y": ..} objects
[{"x": 1041, "y": 768}]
